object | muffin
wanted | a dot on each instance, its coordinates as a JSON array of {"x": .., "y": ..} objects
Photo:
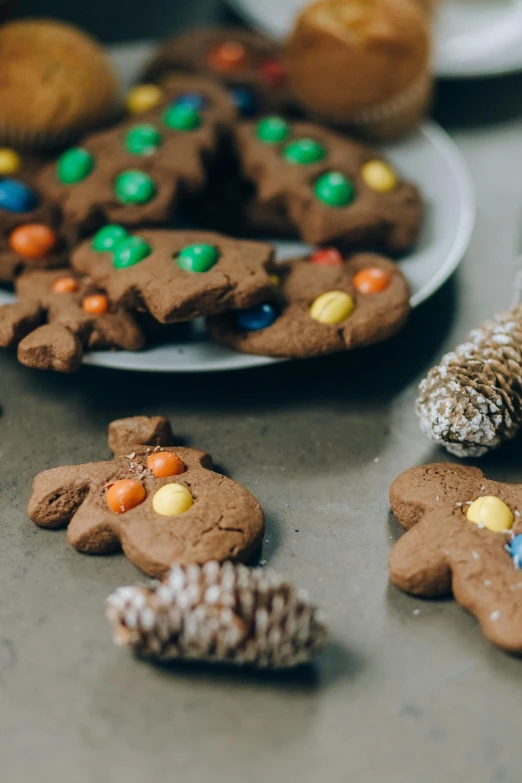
[
  {"x": 55, "y": 83},
  {"x": 365, "y": 65}
]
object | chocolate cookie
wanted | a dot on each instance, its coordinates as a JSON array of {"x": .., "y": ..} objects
[
  {"x": 248, "y": 64},
  {"x": 464, "y": 536},
  {"x": 162, "y": 504},
  {"x": 138, "y": 171},
  {"x": 320, "y": 306},
  {"x": 333, "y": 190},
  {"x": 58, "y": 316},
  {"x": 176, "y": 275}
]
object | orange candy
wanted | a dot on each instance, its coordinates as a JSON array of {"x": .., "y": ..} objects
[
  {"x": 371, "y": 280},
  {"x": 96, "y": 304},
  {"x": 33, "y": 240},
  {"x": 164, "y": 464},
  {"x": 229, "y": 56},
  {"x": 124, "y": 495},
  {"x": 65, "y": 285}
]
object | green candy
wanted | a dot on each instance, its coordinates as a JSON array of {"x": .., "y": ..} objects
[
  {"x": 198, "y": 258},
  {"x": 334, "y": 189},
  {"x": 134, "y": 187},
  {"x": 74, "y": 165},
  {"x": 303, "y": 152},
  {"x": 142, "y": 139},
  {"x": 129, "y": 252},
  {"x": 272, "y": 130},
  {"x": 108, "y": 238},
  {"x": 182, "y": 117}
]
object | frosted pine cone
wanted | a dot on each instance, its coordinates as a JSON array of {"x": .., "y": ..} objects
[
  {"x": 472, "y": 401},
  {"x": 215, "y": 612}
]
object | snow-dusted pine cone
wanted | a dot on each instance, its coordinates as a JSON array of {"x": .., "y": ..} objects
[
  {"x": 472, "y": 401},
  {"x": 215, "y": 612}
]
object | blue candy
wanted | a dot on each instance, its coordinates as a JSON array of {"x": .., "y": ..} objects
[
  {"x": 195, "y": 100},
  {"x": 515, "y": 550},
  {"x": 15, "y": 196},
  {"x": 245, "y": 102},
  {"x": 257, "y": 317}
]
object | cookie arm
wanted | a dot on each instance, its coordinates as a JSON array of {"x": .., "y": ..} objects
[
  {"x": 17, "y": 320},
  {"x": 51, "y": 347},
  {"x": 57, "y": 494},
  {"x": 139, "y": 431},
  {"x": 418, "y": 563}
]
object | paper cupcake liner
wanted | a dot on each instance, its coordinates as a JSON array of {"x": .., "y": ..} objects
[{"x": 414, "y": 97}]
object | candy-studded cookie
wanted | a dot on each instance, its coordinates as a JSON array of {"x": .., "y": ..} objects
[
  {"x": 319, "y": 306},
  {"x": 138, "y": 171},
  {"x": 176, "y": 275},
  {"x": 59, "y": 315},
  {"x": 248, "y": 64},
  {"x": 333, "y": 190},
  {"x": 162, "y": 504},
  {"x": 464, "y": 536}
]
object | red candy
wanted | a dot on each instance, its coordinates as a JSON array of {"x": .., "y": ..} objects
[
  {"x": 229, "y": 56},
  {"x": 96, "y": 304},
  {"x": 371, "y": 280},
  {"x": 33, "y": 240},
  {"x": 65, "y": 285},
  {"x": 272, "y": 72},
  {"x": 164, "y": 464},
  {"x": 329, "y": 256},
  {"x": 124, "y": 495}
]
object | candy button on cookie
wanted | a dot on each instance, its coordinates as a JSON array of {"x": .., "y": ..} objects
[
  {"x": 15, "y": 196},
  {"x": 334, "y": 189},
  {"x": 10, "y": 161},
  {"x": 108, "y": 238},
  {"x": 124, "y": 495},
  {"x": 228, "y": 57},
  {"x": 134, "y": 187},
  {"x": 182, "y": 117},
  {"x": 272, "y": 72},
  {"x": 164, "y": 464},
  {"x": 371, "y": 280},
  {"x": 332, "y": 307},
  {"x": 142, "y": 139},
  {"x": 244, "y": 100},
  {"x": 171, "y": 500},
  {"x": 257, "y": 317},
  {"x": 515, "y": 550},
  {"x": 328, "y": 256},
  {"x": 33, "y": 241},
  {"x": 143, "y": 97},
  {"x": 304, "y": 151},
  {"x": 65, "y": 285},
  {"x": 490, "y": 512},
  {"x": 74, "y": 165},
  {"x": 379, "y": 176},
  {"x": 198, "y": 258},
  {"x": 96, "y": 304},
  {"x": 272, "y": 130},
  {"x": 195, "y": 100},
  {"x": 130, "y": 252}
]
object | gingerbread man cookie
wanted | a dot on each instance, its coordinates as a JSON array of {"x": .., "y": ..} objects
[
  {"x": 59, "y": 315},
  {"x": 464, "y": 536},
  {"x": 162, "y": 504},
  {"x": 333, "y": 190},
  {"x": 320, "y": 306}
]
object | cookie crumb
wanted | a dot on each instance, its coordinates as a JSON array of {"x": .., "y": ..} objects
[
  {"x": 416, "y": 612},
  {"x": 475, "y": 554},
  {"x": 376, "y": 459}
]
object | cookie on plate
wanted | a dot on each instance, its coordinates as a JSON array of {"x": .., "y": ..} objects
[
  {"x": 332, "y": 189},
  {"x": 162, "y": 504},
  {"x": 464, "y": 536},
  {"x": 320, "y": 306},
  {"x": 59, "y": 315},
  {"x": 176, "y": 275}
]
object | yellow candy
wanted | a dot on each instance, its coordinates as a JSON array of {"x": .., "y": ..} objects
[
  {"x": 172, "y": 499},
  {"x": 9, "y": 161},
  {"x": 490, "y": 512},
  {"x": 332, "y": 307},
  {"x": 143, "y": 97},
  {"x": 274, "y": 279},
  {"x": 379, "y": 176}
]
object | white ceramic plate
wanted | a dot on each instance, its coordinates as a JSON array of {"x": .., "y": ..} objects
[{"x": 473, "y": 37}]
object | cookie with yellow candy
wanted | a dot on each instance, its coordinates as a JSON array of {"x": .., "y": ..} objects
[
  {"x": 320, "y": 305},
  {"x": 158, "y": 502},
  {"x": 464, "y": 536}
]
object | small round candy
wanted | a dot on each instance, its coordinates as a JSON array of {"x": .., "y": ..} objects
[
  {"x": 108, "y": 238},
  {"x": 198, "y": 258},
  {"x": 164, "y": 464},
  {"x": 134, "y": 187},
  {"x": 16, "y": 196},
  {"x": 96, "y": 304},
  {"x": 260, "y": 316},
  {"x": 171, "y": 500},
  {"x": 182, "y": 117},
  {"x": 74, "y": 165},
  {"x": 143, "y": 97},
  {"x": 490, "y": 512},
  {"x": 130, "y": 252},
  {"x": 303, "y": 152},
  {"x": 272, "y": 130},
  {"x": 328, "y": 256},
  {"x": 515, "y": 550},
  {"x": 33, "y": 240},
  {"x": 195, "y": 100},
  {"x": 142, "y": 139},
  {"x": 334, "y": 189},
  {"x": 379, "y": 176},
  {"x": 244, "y": 100},
  {"x": 10, "y": 161},
  {"x": 371, "y": 280},
  {"x": 272, "y": 72},
  {"x": 124, "y": 495},
  {"x": 65, "y": 285},
  {"x": 332, "y": 307},
  {"x": 227, "y": 57}
]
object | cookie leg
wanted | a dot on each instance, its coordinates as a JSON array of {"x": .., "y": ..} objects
[
  {"x": 418, "y": 567},
  {"x": 51, "y": 347},
  {"x": 57, "y": 494},
  {"x": 17, "y": 320}
]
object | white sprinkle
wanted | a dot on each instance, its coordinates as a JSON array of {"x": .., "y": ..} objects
[
  {"x": 476, "y": 555},
  {"x": 494, "y": 616},
  {"x": 487, "y": 582},
  {"x": 459, "y": 504},
  {"x": 437, "y": 498},
  {"x": 483, "y": 488},
  {"x": 517, "y": 513},
  {"x": 469, "y": 502}
]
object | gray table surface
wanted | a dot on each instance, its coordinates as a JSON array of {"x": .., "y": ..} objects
[{"x": 397, "y": 696}]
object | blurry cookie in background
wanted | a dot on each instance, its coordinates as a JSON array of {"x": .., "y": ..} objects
[
  {"x": 55, "y": 83},
  {"x": 364, "y": 65}
]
